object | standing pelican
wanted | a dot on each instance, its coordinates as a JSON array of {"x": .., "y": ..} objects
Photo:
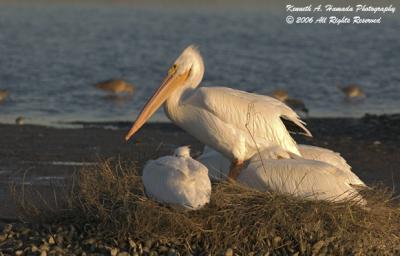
[
  {"x": 275, "y": 169},
  {"x": 178, "y": 179},
  {"x": 218, "y": 166},
  {"x": 233, "y": 122}
]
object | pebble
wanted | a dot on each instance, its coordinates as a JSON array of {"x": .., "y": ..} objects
[
  {"x": 89, "y": 241},
  {"x": 51, "y": 240},
  {"x": 34, "y": 248},
  {"x": 114, "y": 251},
  {"x": 148, "y": 244},
  {"x": 44, "y": 247},
  {"x": 153, "y": 253},
  {"x": 7, "y": 228},
  {"x": 317, "y": 247},
  {"x": 277, "y": 241},
  {"x": 162, "y": 249},
  {"x": 123, "y": 254},
  {"x": 59, "y": 239},
  {"x": 172, "y": 252},
  {"x": 229, "y": 252}
]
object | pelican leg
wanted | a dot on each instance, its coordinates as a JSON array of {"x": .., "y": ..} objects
[{"x": 235, "y": 170}]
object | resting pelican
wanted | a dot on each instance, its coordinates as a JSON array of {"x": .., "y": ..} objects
[
  {"x": 233, "y": 122},
  {"x": 178, "y": 180},
  {"x": 218, "y": 166},
  {"x": 275, "y": 169}
]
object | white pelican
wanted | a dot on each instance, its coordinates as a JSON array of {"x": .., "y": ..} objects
[
  {"x": 233, "y": 122},
  {"x": 218, "y": 166},
  {"x": 178, "y": 180},
  {"x": 275, "y": 169}
]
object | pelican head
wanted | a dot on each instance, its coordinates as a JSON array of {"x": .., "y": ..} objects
[
  {"x": 187, "y": 71},
  {"x": 183, "y": 151}
]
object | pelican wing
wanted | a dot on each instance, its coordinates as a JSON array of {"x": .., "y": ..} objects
[
  {"x": 324, "y": 155},
  {"x": 258, "y": 114},
  {"x": 300, "y": 177},
  {"x": 330, "y": 157}
]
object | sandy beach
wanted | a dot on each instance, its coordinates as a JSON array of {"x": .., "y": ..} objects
[{"x": 43, "y": 156}]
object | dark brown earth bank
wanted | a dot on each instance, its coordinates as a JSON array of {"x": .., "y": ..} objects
[{"x": 43, "y": 156}]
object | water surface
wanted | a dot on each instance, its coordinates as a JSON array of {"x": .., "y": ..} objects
[{"x": 51, "y": 55}]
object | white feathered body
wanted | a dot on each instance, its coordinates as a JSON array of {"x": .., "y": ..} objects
[
  {"x": 330, "y": 157},
  {"x": 218, "y": 166},
  {"x": 300, "y": 177},
  {"x": 178, "y": 180},
  {"x": 234, "y": 122}
]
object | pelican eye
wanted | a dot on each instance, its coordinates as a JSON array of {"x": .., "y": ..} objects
[{"x": 172, "y": 69}]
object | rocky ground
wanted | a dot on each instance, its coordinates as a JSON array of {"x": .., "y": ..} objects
[{"x": 24, "y": 239}]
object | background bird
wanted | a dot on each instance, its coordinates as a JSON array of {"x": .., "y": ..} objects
[
  {"x": 115, "y": 86},
  {"x": 283, "y": 95},
  {"x": 296, "y": 104},
  {"x": 280, "y": 94},
  {"x": 3, "y": 94},
  {"x": 352, "y": 91}
]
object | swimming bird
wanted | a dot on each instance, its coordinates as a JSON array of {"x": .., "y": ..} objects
[
  {"x": 218, "y": 166},
  {"x": 296, "y": 104},
  {"x": 20, "y": 120},
  {"x": 115, "y": 86},
  {"x": 3, "y": 94},
  {"x": 178, "y": 180},
  {"x": 275, "y": 169},
  {"x": 352, "y": 91},
  {"x": 280, "y": 94},
  {"x": 233, "y": 122}
]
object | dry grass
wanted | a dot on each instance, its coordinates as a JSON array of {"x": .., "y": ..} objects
[{"x": 111, "y": 196}]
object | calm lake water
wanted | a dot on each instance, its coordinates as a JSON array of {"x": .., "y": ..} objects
[{"x": 50, "y": 57}]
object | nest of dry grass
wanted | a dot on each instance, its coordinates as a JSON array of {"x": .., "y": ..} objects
[{"x": 112, "y": 198}]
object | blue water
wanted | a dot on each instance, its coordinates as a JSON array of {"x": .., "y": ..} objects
[{"x": 51, "y": 55}]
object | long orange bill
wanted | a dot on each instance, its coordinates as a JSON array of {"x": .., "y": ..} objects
[{"x": 170, "y": 83}]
